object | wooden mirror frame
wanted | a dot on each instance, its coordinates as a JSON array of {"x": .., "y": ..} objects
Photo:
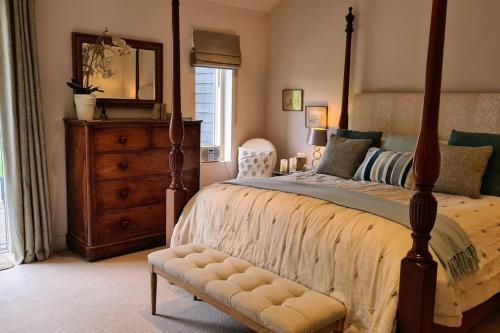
[{"x": 78, "y": 39}]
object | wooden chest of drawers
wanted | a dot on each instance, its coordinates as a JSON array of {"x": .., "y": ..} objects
[{"x": 117, "y": 173}]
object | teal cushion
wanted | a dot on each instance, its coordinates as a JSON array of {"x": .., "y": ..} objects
[
  {"x": 491, "y": 179},
  {"x": 376, "y": 137},
  {"x": 406, "y": 144}
]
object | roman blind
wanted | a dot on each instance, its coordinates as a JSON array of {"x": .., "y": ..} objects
[{"x": 215, "y": 49}]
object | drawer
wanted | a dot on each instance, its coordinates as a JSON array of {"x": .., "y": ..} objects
[
  {"x": 130, "y": 223},
  {"x": 121, "y": 139},
  {"x": 161, "y": 138},
  {"x": 121, "y": 194},
  {"x": 131, "y": 164},
  {"x": 134, "y": 164}
]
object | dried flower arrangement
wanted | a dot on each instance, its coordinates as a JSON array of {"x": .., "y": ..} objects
[{"x": 96, "y": 60}]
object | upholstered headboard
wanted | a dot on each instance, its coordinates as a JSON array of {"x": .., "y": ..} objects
[{"x": 400, "y": 113}]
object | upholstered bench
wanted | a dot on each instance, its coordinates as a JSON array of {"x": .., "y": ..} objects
[{"x": 262, "y": 300}]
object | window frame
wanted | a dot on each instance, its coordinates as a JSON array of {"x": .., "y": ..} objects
[{"x": 223, "y": 109}]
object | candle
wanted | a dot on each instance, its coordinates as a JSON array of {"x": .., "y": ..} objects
[
  {"x": 293, "y": 164},
  {"x": 284, "y": 165}
]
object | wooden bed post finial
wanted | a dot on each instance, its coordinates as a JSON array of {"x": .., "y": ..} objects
[
  {"x": 344, "y": 116},
  {"x": 176, "y": 193},
  {"x": 418, "y": 270}
]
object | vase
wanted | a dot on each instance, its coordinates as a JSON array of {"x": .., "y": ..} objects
[{"x": 85, "y": 106}]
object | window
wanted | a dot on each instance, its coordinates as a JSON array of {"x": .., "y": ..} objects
[{"x": 213, "y": 105}]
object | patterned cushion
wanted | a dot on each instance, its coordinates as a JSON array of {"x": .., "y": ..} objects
[
  {"x": 343, "y": 156},
  {"x": 462, "y": 170},
  {"x": 491, "y": 179},
  {"x": 387, "y": 167},
  {"x": 376, "y": 137},
  {"x": 255, "y": 163}
]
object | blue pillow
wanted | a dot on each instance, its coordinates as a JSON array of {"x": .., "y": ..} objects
[
  {"x": 406, "y": 144},
  {"x": 376, "y": 137},
  {"x": 491, "y": 179}
]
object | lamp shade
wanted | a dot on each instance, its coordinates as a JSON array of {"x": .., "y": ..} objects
[{"x": 317, "y": 137}]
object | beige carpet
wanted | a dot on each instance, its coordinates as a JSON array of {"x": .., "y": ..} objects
[{"x": 68, "y": 294}]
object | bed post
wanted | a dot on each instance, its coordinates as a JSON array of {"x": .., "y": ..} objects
[
  {"x": 176, "y": 193},
  {"x": 344, "y": 116},
  {"x": 418, "y": 270}
]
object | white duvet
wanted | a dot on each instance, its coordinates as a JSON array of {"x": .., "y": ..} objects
[{"x": 350, "y": 255}]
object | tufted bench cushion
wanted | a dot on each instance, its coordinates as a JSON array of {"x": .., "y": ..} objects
[{"x": 277, "y": 304}]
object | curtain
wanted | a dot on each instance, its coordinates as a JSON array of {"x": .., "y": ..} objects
[
  {"x": 215, "y": 49},
  {"x": 21, "y": 127}
]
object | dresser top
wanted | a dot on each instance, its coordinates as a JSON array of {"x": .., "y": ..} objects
[{"x": 118, "y": 121}]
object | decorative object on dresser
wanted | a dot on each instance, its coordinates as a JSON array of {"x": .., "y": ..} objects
[
  {"x": 117, "y": 175},
  {"x": 132, "y": 80},
  {"x": 318, "y": 138},
  {"x": 316, "y": 117},
  {"x": 293, "y": 99},
  {"x": 160, "y": 112},
  {"x": 97, "y": 59}
]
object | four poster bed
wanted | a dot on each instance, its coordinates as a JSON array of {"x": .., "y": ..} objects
[{"x": 364, "y": 273}]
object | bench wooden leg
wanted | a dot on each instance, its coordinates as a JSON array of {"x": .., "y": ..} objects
[{"x": 153, "y": 293}]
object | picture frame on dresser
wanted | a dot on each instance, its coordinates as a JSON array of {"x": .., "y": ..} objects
[{"x": 117, "y": 174}]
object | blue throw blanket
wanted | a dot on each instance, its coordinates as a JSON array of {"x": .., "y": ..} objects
[{"x": 449, "y": 241}]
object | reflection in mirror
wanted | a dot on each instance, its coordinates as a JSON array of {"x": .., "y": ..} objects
[
  {"x": 146, "y": 86},
  {"x": 129, "y": 76},
  {"x": 118, "y": 80}
]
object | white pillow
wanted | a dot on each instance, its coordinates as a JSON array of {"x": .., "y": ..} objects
[{"x": 254, "y": 163}]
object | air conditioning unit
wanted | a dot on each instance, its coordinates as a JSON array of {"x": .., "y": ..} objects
[{"x": 210, "y": 154}]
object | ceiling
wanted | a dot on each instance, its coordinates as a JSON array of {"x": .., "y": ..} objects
[{"x": 259, "y": 5}]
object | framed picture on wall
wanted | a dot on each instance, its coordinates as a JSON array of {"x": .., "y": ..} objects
[
  {"x": 293, "y": 99},
  {"x": 317, "y": 116}
]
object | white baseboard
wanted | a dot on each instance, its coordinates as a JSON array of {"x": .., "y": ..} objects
[{"x": 59, "y": 243}]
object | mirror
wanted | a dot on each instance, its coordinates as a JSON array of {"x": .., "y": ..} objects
[{"x": 131, "y": 79}]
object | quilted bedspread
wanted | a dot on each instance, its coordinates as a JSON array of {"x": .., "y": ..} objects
[{"x": 351, "y": 255}]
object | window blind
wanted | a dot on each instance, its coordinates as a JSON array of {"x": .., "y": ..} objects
[{"x": 215, "y": 49}]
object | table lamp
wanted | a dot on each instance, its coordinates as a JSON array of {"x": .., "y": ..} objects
[{"x": 317, "y": 137}]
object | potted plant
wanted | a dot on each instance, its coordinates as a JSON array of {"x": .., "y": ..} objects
[{"x": 96, "y": 60}]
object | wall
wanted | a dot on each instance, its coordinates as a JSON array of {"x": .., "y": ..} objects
[
  {"x": 307, "y": 43},
  {"x": 148, "y": 20}
]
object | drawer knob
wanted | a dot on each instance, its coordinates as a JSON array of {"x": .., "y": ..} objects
[
  {"x": 122, "y": 139},
  {"x": 124, "y": 193},
  {"x": 125, "y": 223},
  {"x": 123, "y": 165}
]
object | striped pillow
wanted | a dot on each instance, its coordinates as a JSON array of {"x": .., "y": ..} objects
[{"x": 387, "y": 167}]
